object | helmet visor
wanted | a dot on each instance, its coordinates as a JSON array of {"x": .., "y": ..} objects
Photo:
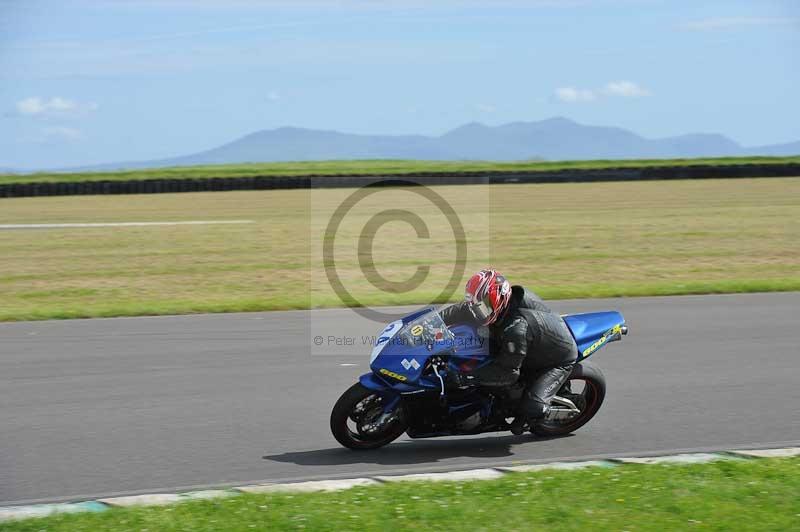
[{"x": 482, "y": 310}]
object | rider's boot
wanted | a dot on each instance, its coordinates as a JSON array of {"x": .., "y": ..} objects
[
  {"x": 518, "y": 426},
  {"x": 525, "y": 419}
]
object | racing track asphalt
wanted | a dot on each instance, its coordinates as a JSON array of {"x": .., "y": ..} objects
[{"x": 132, "y": 405}]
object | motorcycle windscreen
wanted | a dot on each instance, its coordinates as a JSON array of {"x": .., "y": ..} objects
[
  {"x": 471, "y": 347},
  {"x": 403, "y": 355}
]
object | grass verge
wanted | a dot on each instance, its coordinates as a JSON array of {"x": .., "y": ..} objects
[
  {"x": 368, "y": 167},
  {"x": 723, "y": 495},
  {"x": 562, "y": 240}
]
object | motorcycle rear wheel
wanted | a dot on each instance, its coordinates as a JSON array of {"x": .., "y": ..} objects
[
  {"x": 594, "y": 391},
  {"x": 371, "y": 428}
]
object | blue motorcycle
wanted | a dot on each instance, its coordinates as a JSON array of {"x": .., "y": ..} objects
[{"x": 405, "y": 392}]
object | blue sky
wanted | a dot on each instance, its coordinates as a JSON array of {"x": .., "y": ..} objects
[{"x": 85, "y": 82}]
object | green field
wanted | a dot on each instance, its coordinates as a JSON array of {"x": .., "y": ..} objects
[
  {"x": 754, "y": 495},
  {"x": 369, "y": 167},
  {"x": 562, "y": 240}
]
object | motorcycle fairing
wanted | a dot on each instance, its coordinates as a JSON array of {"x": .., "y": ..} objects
[
  {"x": 400, "y": 368},
  {"x": 380, "y": 384},
  {"x": 593, "y": 330}
]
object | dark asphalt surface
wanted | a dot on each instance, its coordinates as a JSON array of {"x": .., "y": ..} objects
[{"x": 111, "y": 406}]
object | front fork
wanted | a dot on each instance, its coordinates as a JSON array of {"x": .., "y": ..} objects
[{"x": 391, "y": 404}]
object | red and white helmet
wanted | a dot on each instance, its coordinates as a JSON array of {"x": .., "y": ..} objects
[{"x": 487, "y": 295}]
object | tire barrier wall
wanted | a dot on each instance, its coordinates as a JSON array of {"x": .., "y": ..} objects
[{"x": 216, "y": 184}]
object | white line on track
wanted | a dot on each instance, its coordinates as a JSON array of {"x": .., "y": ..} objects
[{"x": 121, "y": 224}]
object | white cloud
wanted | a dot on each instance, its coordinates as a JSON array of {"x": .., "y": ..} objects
[
  {"x": 622, "y": 88},
  {"x": 37, "y": 106},
  {"x": 572, "y": 95},
  {"x": 627, "y": 89},
  {"x": 485, "y": 108},
  {"x": 55, "y": 106},
  {"x": 723, "y": 23}
]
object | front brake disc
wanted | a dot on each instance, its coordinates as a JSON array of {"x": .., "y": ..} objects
[{"x": 361, "y": 408}]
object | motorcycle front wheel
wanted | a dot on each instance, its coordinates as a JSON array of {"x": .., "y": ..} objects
[{"x": 358, "y": 420}]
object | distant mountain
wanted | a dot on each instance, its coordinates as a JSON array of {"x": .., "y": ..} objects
[
  {"x": 776, "y": 150},
  {"x": 552, "y": 139}
]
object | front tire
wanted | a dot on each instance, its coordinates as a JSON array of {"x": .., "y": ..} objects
[
  {"x": 591, "y": 399},
  {"x": 358, "y": 421}
]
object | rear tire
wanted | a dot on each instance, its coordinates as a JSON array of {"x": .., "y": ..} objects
[
  {"x": 593, "y": 394},
  {"x": 363, "y": 406}
]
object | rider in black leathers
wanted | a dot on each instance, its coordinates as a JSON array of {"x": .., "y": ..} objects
[{"x": 526, "y": 339}]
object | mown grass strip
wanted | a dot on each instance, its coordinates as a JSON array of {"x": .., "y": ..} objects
[
  {"x": 723, "y": 495},
  {"x": 105, "y": 306},
  {"x": 561, "y": 240},
  {"x": 369, "y": 167}
]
